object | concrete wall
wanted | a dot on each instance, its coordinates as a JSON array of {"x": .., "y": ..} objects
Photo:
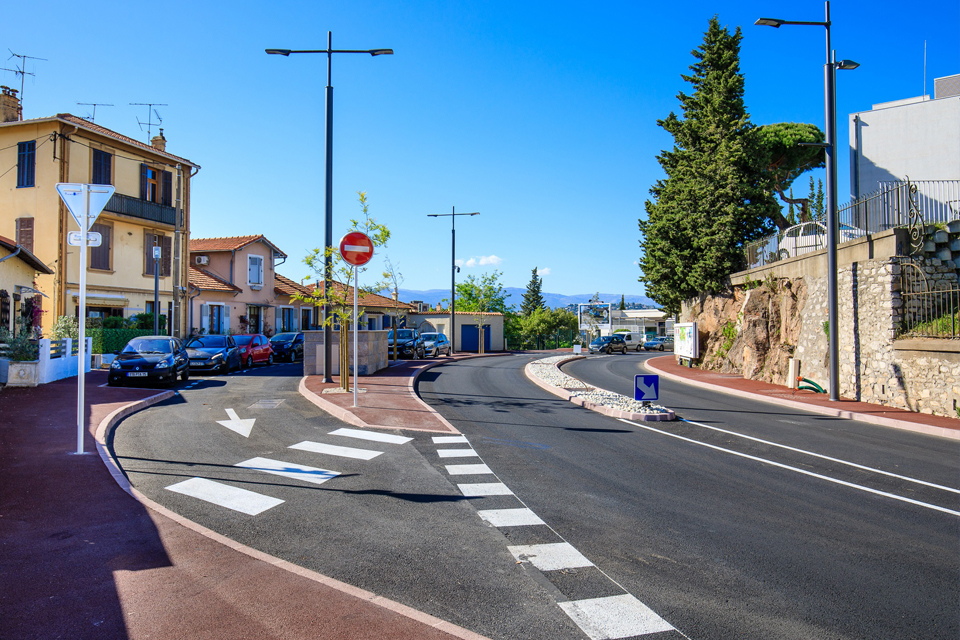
[
  {"x": 434, "y": 321},
  {"x": 371, "y": 352}
]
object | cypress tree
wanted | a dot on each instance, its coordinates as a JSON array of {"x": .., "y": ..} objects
[
  {"x": 532, "y": 299},
  {"x": 712, "y": 200}
]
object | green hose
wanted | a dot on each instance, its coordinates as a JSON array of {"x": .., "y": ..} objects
[{"x": 813, "y": 386}]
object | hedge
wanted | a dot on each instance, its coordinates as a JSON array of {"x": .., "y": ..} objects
[{"x": 110, "y": 340}]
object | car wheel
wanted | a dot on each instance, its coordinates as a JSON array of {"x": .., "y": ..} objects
[
  {"x": 293, "y": 356},
  {"x": 111, "y": 382},
  {"x": 185, "y": 375},
  {"x": 270, "y": 359},
  {"x": 660, "y": 348},
  {"x": 249, "y": 362},
  {"x": 609, "y": 350},
  {"x": 638, "y": 348}
]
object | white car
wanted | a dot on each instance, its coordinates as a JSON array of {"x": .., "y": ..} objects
[{"x": 811, "y": 236}]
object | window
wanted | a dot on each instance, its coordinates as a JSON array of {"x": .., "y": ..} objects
[
  {"x": 151, "y": 240},
  {"x": 216, "y": 318},
  {"x": 156, "y": 185},
  {"x": 25, "y": 233},
  {"x": 253, "y": 319},
  {"x": 287, "y": 319},
  {"x": 102, "y": 164},
  {"x": 100, "y": 256},
  {"x": 26, "y": 163},
  {"x": 255, "y": 270}
]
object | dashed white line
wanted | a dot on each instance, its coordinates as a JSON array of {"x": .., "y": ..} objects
[
  {"x": 449, "y": 439},
  {"x": 248, "y": 502},
  {"x": 467, "y": 469},
  {"x": 485, "y": 489},
  {"x": 614, "y": 617},
  {"x": 371, "y": 435},
  {"x": 457, "y": 453},
  {"x": 335, "y": 450},
  {"x": 288, "y": 470},
  {"x": 510, "y": 517},
  {"x": 550, "y": 557}
]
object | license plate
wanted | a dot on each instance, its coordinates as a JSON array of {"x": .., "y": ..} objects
[
  {"x": 137, "y": 374},
  {"x": 198, "y": 362}
]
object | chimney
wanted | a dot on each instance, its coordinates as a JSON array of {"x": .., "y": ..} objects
[
  {"x": 439, "y": 308},
  {"x": 9, "y": 105},
  {"x": 159, "y": 142}
]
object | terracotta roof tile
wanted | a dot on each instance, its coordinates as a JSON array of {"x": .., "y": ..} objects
[
  {"x": 206, "y": 281},
  {"x": 286, "y": 286},
  {"x": 86, "y": 124},
  {"x": 25, "y": 255},
  {"x": 234, "y": 243},
  {"x": 368, "y": 299}
]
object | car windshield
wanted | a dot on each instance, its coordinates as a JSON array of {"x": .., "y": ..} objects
[
  {"x": 402, "y": 334},
  {"x": 244, "y": 340},
  {"x": 429, "y": 336},
  {"x": 602, "y": 340},
  {"x": 207, "y": 342},
  {"x": 283, "y": 337},
  {"x": 157, "y": 345}
]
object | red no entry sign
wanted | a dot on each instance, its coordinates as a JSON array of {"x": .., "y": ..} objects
[{"x": 356, "y": 248}]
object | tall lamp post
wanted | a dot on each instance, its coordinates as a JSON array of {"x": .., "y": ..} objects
[
  {"x": 328, "y": 227},
  {"x": 830, "y": 148},
  {"x": 453, "y": 271}
]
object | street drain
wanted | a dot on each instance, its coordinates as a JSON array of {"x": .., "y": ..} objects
[{"x": 266, "y": 404}]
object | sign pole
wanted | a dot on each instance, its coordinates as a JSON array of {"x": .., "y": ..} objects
[
  {"x": 356, "y": 322},
  {"x": 82, "y": 321}
]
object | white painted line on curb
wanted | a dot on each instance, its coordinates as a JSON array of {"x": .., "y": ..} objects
[
  {"x": 449, "y": 439},
  {"x": 248, "y": 502},
  {"x": 485, "y": 489},
  {"x": 550, "y": 557},
  {"x": 467, "y": 469},
  {"x": 288, "y": 470},
  {"x": 457, "y": 453},
  {"x": 371, "y": 435},
  {"x": 510, "y": 517},
  {"x": 334, "y": 450},
  {"x": 614, "y": 617}
]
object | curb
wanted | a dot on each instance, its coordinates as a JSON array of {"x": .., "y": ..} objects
[
  {"x": 586, "y": 404},
  {"x": 905, "y": 425},
  {"x": 110, "y": 421}
]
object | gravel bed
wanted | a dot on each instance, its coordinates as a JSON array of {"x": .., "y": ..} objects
[{"x": 547, "y": 370}]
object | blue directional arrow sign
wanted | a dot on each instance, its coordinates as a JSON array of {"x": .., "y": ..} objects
[{"x": 646, "y": 388}]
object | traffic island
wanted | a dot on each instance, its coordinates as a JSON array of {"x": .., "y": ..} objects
[{"x": 546, "y": 374}]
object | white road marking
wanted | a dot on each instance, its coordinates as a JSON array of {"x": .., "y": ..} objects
[
  {"x": 510, "y": 517},
  {"x": 288, "y": 470},
  {"x": 449, "y": 439},
  {"x": 243, "y": 427},
  {"x": 457, "y": 453},
  {"x": 802, "y": 471},
  {"x": 370, "y": 435},
  {"x": 334, "y": 450},
  {"x": 550, "y": 557},
  {"x": 467, "y": 469},
  {"x": 614, "y": 617},
  {"x": 823, "y": 457},
  {"x": 485, "y": 489},
  {"x": 224, "y": 495}
]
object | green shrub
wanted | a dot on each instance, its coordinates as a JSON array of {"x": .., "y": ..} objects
[
  {"x": 66, "y": 327},
  {"x": 110, "y": 340},
  {"x": 18, "y": 347}
]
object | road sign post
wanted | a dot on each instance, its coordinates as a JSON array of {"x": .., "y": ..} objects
[
  {"x": 646, "y": 388},
  {"x": 85, "y": 202},
  {"x": 356, "y": 249}
]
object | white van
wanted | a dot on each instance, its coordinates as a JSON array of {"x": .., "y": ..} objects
[{"x": 634, "y": 339}]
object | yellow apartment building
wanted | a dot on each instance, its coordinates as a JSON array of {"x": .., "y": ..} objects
[{"x": 151, "y": 208}]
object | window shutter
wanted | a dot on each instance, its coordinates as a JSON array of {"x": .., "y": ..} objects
[
  {"x": 25, "y": 233},
  {"x": 100, "y": 256},
  {"x": 167, "y": 256},
  {"x": 149, "y": 241},
  {"x": 107, "y": 168},
  {"x": 205, "y": 318},
  {"x": 143, "y": 182},
  {"x": 226, "y": 319},
  {"x": 167, "y": 188}
]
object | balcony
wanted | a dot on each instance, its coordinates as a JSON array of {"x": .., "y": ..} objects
[{"x": 142, "y": 209}]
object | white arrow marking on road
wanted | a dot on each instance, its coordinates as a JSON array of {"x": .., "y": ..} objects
[
  {"x": 243, "y": 427},
  {"x": 357, "y": 247},
  {"x": 646, "y": 390}
]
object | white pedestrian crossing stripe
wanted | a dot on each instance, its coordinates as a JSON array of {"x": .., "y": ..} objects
[
  {"x": 334, "y": 450},
  {"x": 449, "y": 439},
  {"x": 371, "y": 435},
  {"x": 510, "y": 517},
  {"x": 288, "y": 470},
  {"x": 457, "y": 453},
  {"x": 485, "y": 489},
  {"x": 614, "y": 617},
  {"x": 550, "y": 557},
  {"x": 241, "y": 500},
  {"x": 467, "y": 469}
]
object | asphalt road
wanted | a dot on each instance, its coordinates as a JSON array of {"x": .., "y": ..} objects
[
  {"x": 721, "y": 535},
  {"x": 395, "y": 524}
]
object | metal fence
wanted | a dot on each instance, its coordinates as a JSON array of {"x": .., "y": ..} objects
[{"x": 562, "y": 339}]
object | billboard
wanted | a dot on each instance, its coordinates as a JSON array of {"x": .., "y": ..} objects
[
  {"x": 686, "y": 341},
  {"x": 595, "y": 316}
]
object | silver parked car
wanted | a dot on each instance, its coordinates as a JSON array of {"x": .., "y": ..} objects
[
  {"x": 659, "y": 343},
  {"x": 436, "y": 344}
]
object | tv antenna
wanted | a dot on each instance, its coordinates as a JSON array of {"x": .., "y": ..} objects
[
  {"x": 21, "y": 71},
  {"x": 93, "y": 118},
  {"x": 150, "y": 113}
]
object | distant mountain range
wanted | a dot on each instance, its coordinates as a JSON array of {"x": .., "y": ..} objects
[{"x": 515, "y": 297}]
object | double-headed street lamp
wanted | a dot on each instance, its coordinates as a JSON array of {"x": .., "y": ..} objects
[
  {"x": 328, "y": 235},
  {"x": 830, "y": 147},
  {"x": 453, "y": 271}
]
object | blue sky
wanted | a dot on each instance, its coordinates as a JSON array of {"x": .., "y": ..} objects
[{"x": 539, "y": 115}]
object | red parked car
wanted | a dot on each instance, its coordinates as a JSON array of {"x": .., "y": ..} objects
[{"x": 253, "y": 348}]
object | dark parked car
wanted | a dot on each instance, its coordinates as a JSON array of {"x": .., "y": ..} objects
[
  {"x": 659, "y": 343},
  {"x": 608, "y": 344},
  {"x": 150, "y": 359},
  {"x": 436, "y": 344},
  {"x": 287, "y": 346},
  {"x": 254, "y": 347},
  {"x": 217, "y": 354},
  {"x": 408, "y": 343}
]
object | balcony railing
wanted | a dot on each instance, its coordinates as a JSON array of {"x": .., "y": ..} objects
[{"x": 142, "y": 209}]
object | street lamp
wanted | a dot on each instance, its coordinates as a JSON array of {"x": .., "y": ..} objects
[
  {"x": 830, "y": 148},
  {"x": 328, "y": 230},
  {"x": 453, "y": 272}
]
